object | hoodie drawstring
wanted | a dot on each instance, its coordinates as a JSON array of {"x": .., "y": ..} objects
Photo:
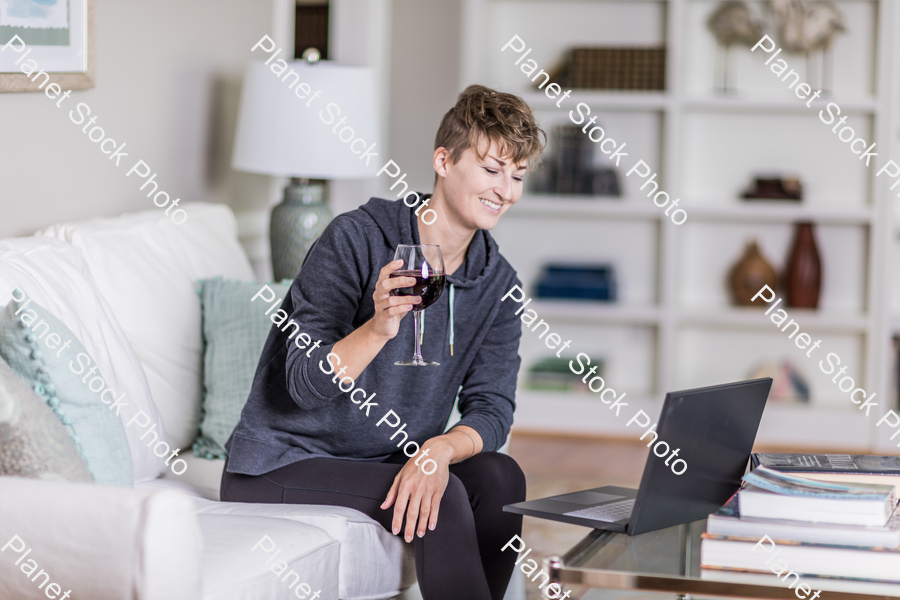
[{"x": 451, "y": 319}]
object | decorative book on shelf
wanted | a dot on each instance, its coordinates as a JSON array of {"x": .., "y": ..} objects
[
  {"x": 613, "y": 68},
  {"x": 553, "y": 374},
  {"x": 577, "y": 282},
  {"x": 571, "y": 169}
]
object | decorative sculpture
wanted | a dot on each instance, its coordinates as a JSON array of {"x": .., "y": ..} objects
[
  {"x": 803, "y": 273},
  {"x": 749, "y": 275},
  {"x": 732, "y": 23},
  {"x": 807, "y": 27},
  {"x": 802, "y": 27}
]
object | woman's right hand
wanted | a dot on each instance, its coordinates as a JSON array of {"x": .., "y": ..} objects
[{"x": 390, "y": 310}]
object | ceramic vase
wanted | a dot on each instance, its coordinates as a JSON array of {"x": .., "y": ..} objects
[
  {"x": 803, "y": 274},
  {"x": 749, "y": 275},
  {"x": 296, "y": 223}
]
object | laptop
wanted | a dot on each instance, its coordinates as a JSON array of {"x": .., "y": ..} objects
[{"x": 714, "y": 428}]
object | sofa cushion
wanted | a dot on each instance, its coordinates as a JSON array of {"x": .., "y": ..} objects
[
  {"x": 33, "y": 441},
  {"x": 100, "y": 542},
  {"x": 53, "y": 274},
  {"x": 201, "y": 480},
  {"x": 98, "y": 434},
  {"x": 234, "y": 334},
  {"x": 146, "y": 267},
  {"x": 374, "y": 563},
  {"x": 251, "y": 558}
]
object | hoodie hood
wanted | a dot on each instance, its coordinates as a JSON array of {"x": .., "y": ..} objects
[{"x": 399, "y": 225}]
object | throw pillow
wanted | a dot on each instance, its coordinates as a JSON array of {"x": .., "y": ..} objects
[
  {"x": 53, "y": 274},
  {"x": 33, "y": 442},
  {"x": 40, "y": 349},
  {"x": 234, "y": 333},
  {"x": 146, "y": 268}
]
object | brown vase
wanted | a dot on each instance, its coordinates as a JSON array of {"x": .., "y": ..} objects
[
  {"x": 749, "y": 275},
  {"x": 803, "y": 274}
]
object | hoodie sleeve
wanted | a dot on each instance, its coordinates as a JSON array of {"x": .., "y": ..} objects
[
  {"x": 488, "y": 397},
  {"x": 325, "y": 301}
]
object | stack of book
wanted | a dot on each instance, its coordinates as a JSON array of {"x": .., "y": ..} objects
[{"x": 842, "y": 524}]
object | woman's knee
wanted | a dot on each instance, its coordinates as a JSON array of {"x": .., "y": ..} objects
[
  {"x": 455, "y": 493},
  {"x": 500, "y": 471}
]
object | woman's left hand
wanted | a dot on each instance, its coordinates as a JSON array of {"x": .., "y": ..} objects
[{"x": 419, "y": 495}]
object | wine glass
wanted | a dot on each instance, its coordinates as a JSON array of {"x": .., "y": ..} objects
[{"x": 426, "y": 263}]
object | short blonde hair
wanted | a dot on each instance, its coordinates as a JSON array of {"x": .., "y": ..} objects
[{"x": 482, "y": 113}]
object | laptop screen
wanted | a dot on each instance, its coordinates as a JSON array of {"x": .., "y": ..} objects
[{"x": 714, "y": 429}]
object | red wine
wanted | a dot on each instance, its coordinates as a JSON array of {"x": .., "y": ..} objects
[{"x": 430, "y": 288}]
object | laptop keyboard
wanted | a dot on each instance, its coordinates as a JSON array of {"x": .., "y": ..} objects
[{"x": 615, "y": 511}]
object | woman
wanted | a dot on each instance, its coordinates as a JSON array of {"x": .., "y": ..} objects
[{"x": 303, "y": 440}]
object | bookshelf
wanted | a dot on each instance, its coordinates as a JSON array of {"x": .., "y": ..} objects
[{"x": 673, "y": 326}]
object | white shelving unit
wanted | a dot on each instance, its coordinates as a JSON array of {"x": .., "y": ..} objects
[{"x": 673, "y": 327}]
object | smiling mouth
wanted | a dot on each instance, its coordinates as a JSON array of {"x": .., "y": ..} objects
[{"x": 491, "y": 205}]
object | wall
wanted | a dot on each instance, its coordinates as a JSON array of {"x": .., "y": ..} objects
[
  {"x": 168, "y": 85},
  {"x": 424, "y": 81},
  {"x": 168, "y": 79}
]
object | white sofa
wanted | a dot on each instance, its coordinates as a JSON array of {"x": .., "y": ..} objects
[{"x": 125, "y": 287}]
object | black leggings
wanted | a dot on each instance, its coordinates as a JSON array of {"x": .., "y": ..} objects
[{"x": 461, "y": 558}]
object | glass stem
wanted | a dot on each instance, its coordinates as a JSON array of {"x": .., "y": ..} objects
[{"x": 417, "y": 320}]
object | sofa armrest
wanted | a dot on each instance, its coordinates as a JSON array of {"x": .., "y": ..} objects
[{"x": 98, "y": 542}]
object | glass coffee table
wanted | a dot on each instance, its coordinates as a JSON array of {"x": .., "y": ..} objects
[{"x": 666, "y": 563}]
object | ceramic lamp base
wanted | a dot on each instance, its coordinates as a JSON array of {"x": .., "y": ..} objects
[{"x": 296, "y": 223}]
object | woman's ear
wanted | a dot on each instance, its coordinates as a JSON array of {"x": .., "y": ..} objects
[{"x": 441, "y": 161}]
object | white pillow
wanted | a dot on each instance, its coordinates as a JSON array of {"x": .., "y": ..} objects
[
  {"x": 147, "y": 267},
  {"x": 54, "y": 276}
]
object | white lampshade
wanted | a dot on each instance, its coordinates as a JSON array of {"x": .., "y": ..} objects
[{"x": 277, "y": 134}]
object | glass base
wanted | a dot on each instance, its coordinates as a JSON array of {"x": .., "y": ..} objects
[{"x": 416, "y": 362}]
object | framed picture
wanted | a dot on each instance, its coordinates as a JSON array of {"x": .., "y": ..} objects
[{"x": 55, "y": 37}]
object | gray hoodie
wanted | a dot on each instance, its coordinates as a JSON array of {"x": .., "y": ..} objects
[{"x": 295, "y": 410}]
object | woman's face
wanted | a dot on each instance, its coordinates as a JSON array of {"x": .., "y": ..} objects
[{"x": 477, "y": 191}]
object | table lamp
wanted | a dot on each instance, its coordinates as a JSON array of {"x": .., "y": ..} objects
[{"x": 311, "y": 121}]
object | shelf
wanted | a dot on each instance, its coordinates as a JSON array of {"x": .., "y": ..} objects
[
  {"x": 774, "y": 212},
  {"x": 783, "y": 425},
  {"x": 600, "y": 99},
  {"x": 753, "y": 318},
  {"x": 600, "y": 1},
  {"x": 706, "y": 148},
  {"x": 596, "y": 312},
  {"x": 811, "y": 426},
  {"x": 788, "y": 105},
  {"x": 545, "y": 205},
  {"x": 579, "y": 413}
]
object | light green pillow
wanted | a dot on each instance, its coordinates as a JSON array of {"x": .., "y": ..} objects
[
  {"x": 33, "y": 441},
  {"x": 97, "y": 431},
  {"x": 234, "y": 333}
]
